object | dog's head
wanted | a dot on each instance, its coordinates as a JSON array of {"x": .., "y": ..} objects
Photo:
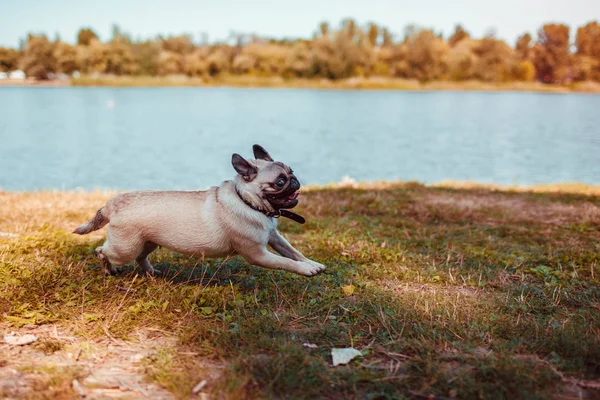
[{"x": 266, "y": 184}]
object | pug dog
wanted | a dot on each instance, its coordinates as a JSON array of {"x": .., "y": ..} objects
[{"x": 239, "y": 217}]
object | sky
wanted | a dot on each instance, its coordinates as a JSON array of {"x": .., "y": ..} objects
[{"x": 292, "y": 19}]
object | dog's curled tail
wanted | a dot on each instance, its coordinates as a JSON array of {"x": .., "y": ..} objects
[{"x": 94, "y": 224}]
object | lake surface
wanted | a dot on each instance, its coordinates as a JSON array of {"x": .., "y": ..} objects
[{"x": 183, "y": 138}]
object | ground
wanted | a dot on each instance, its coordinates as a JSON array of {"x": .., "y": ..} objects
[{"x": 448, "y": 291}]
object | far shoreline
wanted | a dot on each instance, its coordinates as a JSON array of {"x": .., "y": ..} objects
[
  {"x": 571, "y": 188},
  {"x": 373, "y": 83}
]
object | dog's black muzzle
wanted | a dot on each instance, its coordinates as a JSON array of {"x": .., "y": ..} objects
[{"x": 294, "y": 184}]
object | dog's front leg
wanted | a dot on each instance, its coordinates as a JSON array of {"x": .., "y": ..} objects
[
  {"x": 264, "y": 258},
  {"x": 283, "y": 247}
]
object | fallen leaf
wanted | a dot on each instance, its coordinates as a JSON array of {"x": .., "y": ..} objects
[
  {"x": 348, "y": 290},
  {"x": 19, "y": 340},
  {"x": 344, "y": 356}
]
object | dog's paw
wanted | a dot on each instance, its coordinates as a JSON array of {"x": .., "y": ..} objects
[
  {"x": 311, "y": 268},
  {"x": 153, "y": 272},
  {"x": 110, "y": 271}
]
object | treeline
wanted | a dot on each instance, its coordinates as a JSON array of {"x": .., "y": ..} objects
[{"x": 349, "y": 51}]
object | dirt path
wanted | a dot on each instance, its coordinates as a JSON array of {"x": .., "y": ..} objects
[{"x": 59, "y": 365}]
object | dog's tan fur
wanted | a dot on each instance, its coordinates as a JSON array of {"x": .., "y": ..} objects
[{"x": 211, "y": 223}]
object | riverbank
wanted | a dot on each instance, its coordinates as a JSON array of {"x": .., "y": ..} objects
[
  {"x": 375, "y": 83},
  {"x": 34, "y": 82},
  {"x": 453, "y": 290}
]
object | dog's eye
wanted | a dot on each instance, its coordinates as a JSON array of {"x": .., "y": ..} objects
[{"x": 280, "y": 182}]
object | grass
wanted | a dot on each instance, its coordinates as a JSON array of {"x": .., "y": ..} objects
[
  {"x": 373, "y": 83},
  {"x": 454, "y": 291}
]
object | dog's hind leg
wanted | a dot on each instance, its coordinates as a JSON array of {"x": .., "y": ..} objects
[
  {"x": 142, "y": 258},
  {"x": 107, "y": 268},
  {"x": 120, "y": 248}
]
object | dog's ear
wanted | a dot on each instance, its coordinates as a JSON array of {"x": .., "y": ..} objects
[
  {"x": 243, "y": 167},
  {"x": 260, "y": 153}
]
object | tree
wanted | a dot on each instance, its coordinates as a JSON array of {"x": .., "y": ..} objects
[
  {"x": 551, "y": 55},
  {"x": 349, "y": 27},
  {"x": 146, "y": 55},
  {"x": 38, "y": 59},
  {"x": 458, "y": 35},
  {"x": 373, "y": 34},
  {"x": 523, "y": 47},
  {"x": 114, "y": 57},
  {"x": 85, "y": 36},
  {"x": 195, "y": 63},
  {"x": 178, "y": 44},
  {"x": 588, "y": 40},
  {"x": 219, "y": 60},
  {"x": 299, "y": 61},
  {"x": 9, "y": 59},
  {"x": 495, "y": 60},
  {"x": 119, "y": 58},
  {"x": 525, "y": 71},
  {"x": 426, "y": 56},
  {"x": 343, "y": 54},
  {"x": 66, "y": 58},
  {"x": 588, "y": 51},
  {"x": 243, "y": 64},
  {"x": 387, "y": 38},
  {"x": 169, "y": 63},
  {"x": 462, "y": 60},
  {"x": 324, "y": 28},
  {"x": 264, "y": 59}
]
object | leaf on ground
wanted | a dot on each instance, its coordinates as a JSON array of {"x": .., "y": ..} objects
[
  {"x": 344, "y": 356},
  {"x": 348, "y": 290},
  {"x": 19, "y": 340}
]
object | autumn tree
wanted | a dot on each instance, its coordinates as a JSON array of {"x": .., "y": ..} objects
[
  {"x": 267, "y": 59},
  {"x": 169, "y": 63},
  {"x": 551, "y": 55},
  {"x": 114, "y": 57},
  {"x": 299, "y": 61},
  {"x": 387, "y": 37},
  {"x": 588, "y": 51},
  {"x": 196, "y": 63},
  {"x": 373, "y": 34},
  {"x": 85, "y": 36},
  {"x": 38, "y": 59},
  {"x": 118, "y": 34},
  {"x": 458, "y": 35},
  {"x": 178, "y": 44},
  {"x": 349, "y": 28},
  {"x": 426, "y": 56},
  {"x": 462, "y": 60},
  {"x": 9, "y": 59},
  {"x": 66, "y": 58},
  {"x": 495, "y": 60},
  {"x": 119, "y": 58},
  {"x": 219, "y": 60},
  {"x": 172, "y": 57},
  {"x": 523, "y": 47},
  {"x": 345, "y": 53},
  {"x": 146, "y": 55},
  {"x": 324, "y": 29}
]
